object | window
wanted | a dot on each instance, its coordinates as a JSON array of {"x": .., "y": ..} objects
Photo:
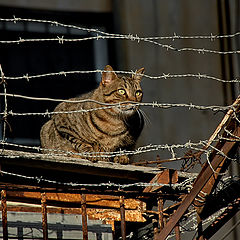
[{"x": 34, "y": 58}]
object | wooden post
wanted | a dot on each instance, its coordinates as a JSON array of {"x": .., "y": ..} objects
[
  {"x": 4, "y": 214},
  {"x": 84, "y": 217},
  {"x": 44, "y": 216}
]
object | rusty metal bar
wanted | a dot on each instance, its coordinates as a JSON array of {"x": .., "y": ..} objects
[
  {"x": 177, "y": 232},
  {"x": 84, "y": 217},
  {"x": 123, "y": 221},
  {"x": 44, "y": 216},
  {"x": 160, "y": 214},
  {"x": 161, "y": 219},
  {"x": 4, "y": 214},
  {"x": 199, "y": 183}
]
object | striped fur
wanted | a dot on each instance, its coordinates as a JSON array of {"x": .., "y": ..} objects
[{"x": 104, "y": 130}]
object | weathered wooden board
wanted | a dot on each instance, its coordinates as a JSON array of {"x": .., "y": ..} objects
[{"x": 76, "y": 165}]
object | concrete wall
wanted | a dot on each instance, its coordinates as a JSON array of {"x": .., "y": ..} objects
[
  {"x": 164, "y": 18},
  {"x": 62, "y": 5}
]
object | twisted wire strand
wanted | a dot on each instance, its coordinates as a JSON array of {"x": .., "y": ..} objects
[
  {"x": 105, "y": 35},
  {"x": 160, "y": 77}
]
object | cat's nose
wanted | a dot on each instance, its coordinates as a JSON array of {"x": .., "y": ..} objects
[{"x": 132, "y": 99}]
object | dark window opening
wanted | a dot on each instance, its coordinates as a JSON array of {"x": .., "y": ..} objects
[{"x": 36, "y": 58}]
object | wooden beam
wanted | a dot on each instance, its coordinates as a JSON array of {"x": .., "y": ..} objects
[{"x": 76, "y": 165}]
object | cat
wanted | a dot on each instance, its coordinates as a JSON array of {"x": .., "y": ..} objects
[{"x": 103, "y": 130}]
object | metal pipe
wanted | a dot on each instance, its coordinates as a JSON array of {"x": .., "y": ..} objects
[
  {"x": 44, "y": 216},
  {"x": 4, "y": 214},
  {"x": 123, "y": 221},
  {"x": 84, "y": 217}
]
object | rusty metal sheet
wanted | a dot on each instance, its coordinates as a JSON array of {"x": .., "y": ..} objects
[
  {"x": 107, "y": 215},
  {"x": 91, "y": 200},
  {"x": 167, "y": 176}
]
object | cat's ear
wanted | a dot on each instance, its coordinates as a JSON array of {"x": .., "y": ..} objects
[
  {"x": 138, "y": 74},
  {"x": 108, "y": 77}
]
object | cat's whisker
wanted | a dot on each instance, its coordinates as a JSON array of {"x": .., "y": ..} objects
[{"x": 145, "y": 117}]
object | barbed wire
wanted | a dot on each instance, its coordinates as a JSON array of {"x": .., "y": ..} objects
[
  {"x": 185, "y": 183},
  {"x": 198, "y": 147},
  {"x": 4, "y": 118},
  {"x": 175, "y": 36},
  {"x": 163, "y": 76},
  {"x": 105, "y": 35},
  {"x": 101, "y": 35},
  {"x": 61, "y": 40},
  {"x": 192, "y": 225},
  {"x": 139, "y": 150},
  {"x": 189, "y": 106},
  {"x": 191, "y": 216}
]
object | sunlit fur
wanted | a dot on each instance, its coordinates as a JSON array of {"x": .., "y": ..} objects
[
  {"x": 103, "y": 130},
  {"x": 131, "y": 87}
]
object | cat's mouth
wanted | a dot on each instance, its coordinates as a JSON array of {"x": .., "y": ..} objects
[{"x": 127, "y": 109}]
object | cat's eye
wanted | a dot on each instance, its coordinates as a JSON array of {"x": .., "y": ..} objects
[
  {"x": 138, "y": 93},
  {"x": 121, "y": 91}
]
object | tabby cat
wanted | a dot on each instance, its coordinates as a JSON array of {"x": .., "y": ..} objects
[{"x": 105, "y": 130}]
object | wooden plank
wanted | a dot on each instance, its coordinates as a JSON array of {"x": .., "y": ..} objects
[{"x": 76, "y": 165}]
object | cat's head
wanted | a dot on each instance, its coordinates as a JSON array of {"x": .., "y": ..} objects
[{"x": 122, "y": 88}]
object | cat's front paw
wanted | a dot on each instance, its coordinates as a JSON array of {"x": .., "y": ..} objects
[
  {"x": 99, "y": 158},
  {"x": 121, "y": 159}
]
